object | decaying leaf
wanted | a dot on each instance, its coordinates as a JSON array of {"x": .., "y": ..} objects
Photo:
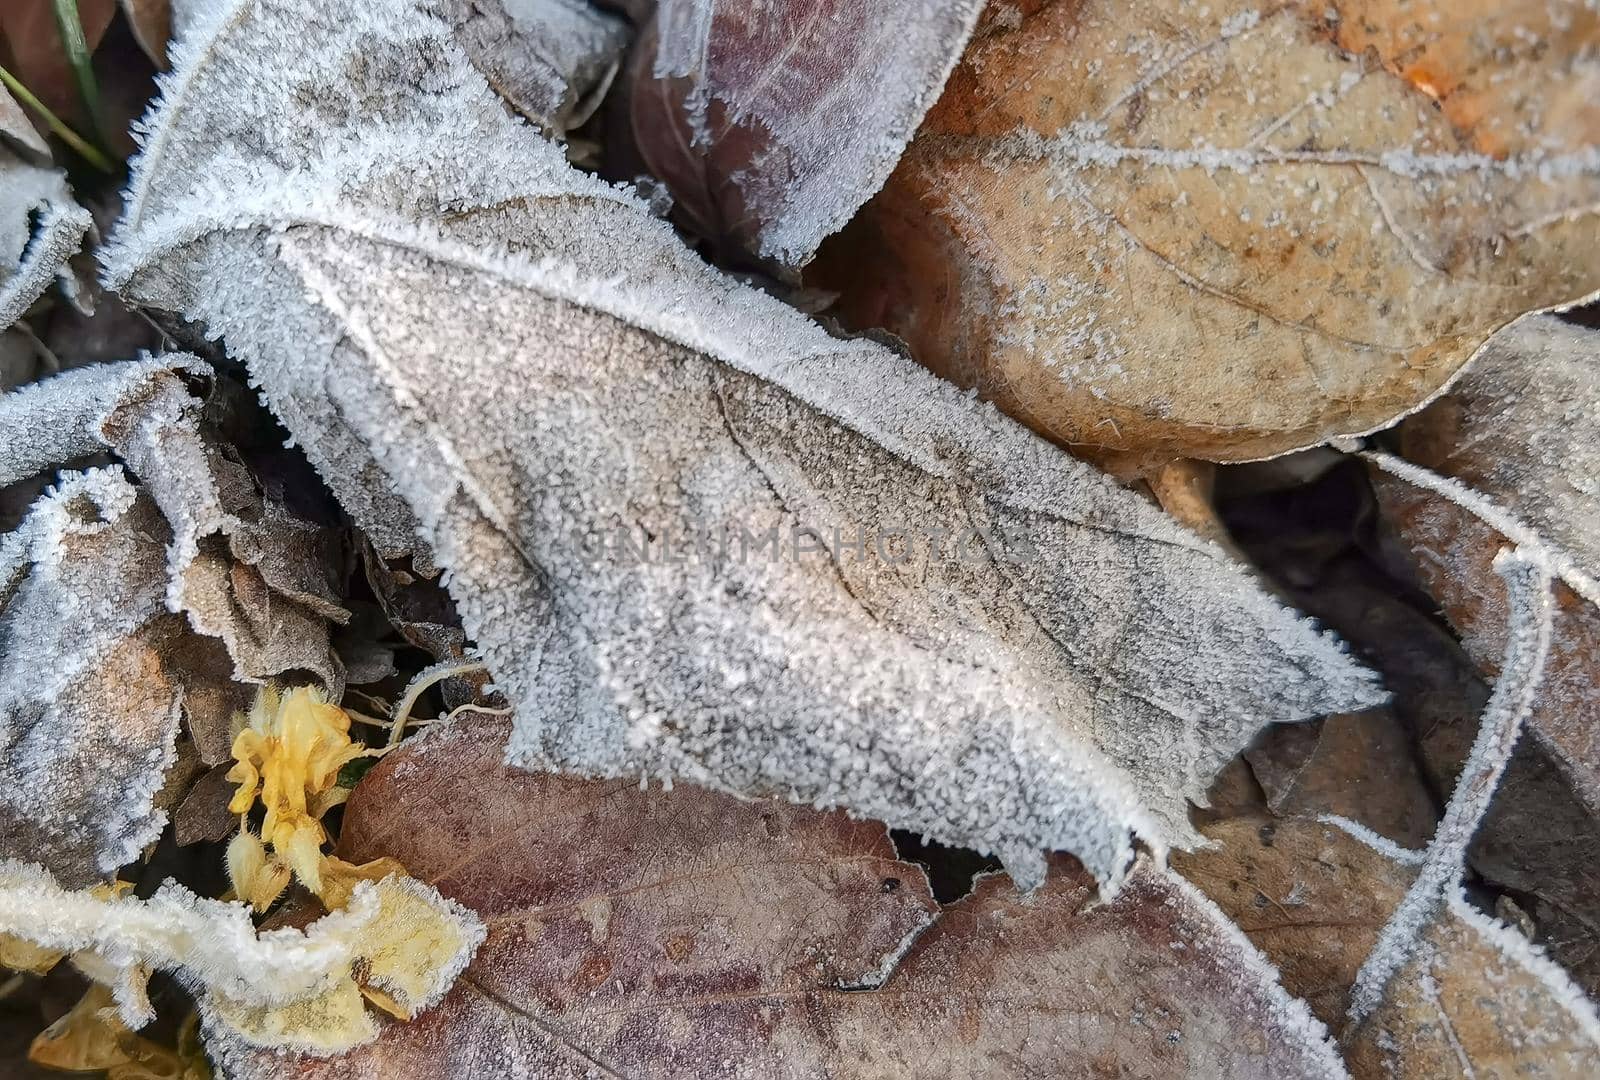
[
  {"x": 772, "y": 124},
  {"x": 89, "y": 698},
  {"x": 1356, "y": 766},
  {"x": 687, "y": 933},
  {"x": 41, "y": 227},
  {"x": 1522, "y": 429},
  {"x": 1017, "y": 656},
  {"x": 242, "y": 569},
  {"x": 548, "y": 58},
  {"x": 278, "y": 988},
  {"x": 1306, "y": 893},
  {"x": 1228, "y": 231},
  {"x": 1476, "y": 1000}
]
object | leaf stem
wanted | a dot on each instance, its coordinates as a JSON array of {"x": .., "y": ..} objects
[{"x": 66, "y": 134}]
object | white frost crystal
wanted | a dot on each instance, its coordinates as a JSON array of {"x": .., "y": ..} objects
[{"x": 475, "y": 342}]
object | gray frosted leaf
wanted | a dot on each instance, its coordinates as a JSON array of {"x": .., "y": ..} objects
[
  {"x": 773, "y": 123},
  {"x": 550, "y": 59},
  {"x": 40, "y": 228},
  {"x": 88, "y": 710},
  {"x": 520, "y": 363}
]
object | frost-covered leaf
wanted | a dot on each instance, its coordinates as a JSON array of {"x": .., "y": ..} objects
[
  {"x": 1229, "y": 230},
  {"x": 686, "y": 933},
  {"x": 89, "y": 701},
  {"x": 772, "y": 122},
  {"x": 1020, "y": 656},
  {"x": 242, "y": 569},
  {"x": 1475, "y": 1000},
  {"x": 1306, "y": 893},
  {"x": 548, "y": 58},
  {"x": 279, "y": 988},
  {"x": 41, "y": 227},
  {"x": 1522, "y": 430}
]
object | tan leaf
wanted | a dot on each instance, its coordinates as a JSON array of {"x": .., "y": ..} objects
[
  {"x": 686, "y": 933},
  {"x": 1476, "y": 1001},
  {"x": 151, "y": 22},
  {"x": 1306, "y": 893},
  {"x": 89, "y": 704},
  {"x": 1357, "y": 766},
  {"x": 1038, "y": 660},
  {"x": 771, "y": 127},
  {"x": 1226, "y": 231}
]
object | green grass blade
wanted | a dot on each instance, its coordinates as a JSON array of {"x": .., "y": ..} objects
[
  {"x": 67, "y": 135},
  {"x": 70, "y": 26}
]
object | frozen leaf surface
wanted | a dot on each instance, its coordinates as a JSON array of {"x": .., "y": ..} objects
[
  {"x": 1522, "y": 430},
  {"x": 1475, "y": 1000},
  {"x": 40, "y": 228},
  {"x": 686, "y": 933},
  {"x": 89, "y": 710},
  {"x": 692, "y": 534},
  {"x": 1230, "y": 230},
  {"x": 548, "y": 58},
  {"x": 772, "y": 122}
]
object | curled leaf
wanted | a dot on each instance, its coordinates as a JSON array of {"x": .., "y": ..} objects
[
  {"x": 41, "y": 227},
  {"x": 952, "y": 672},
  {"x": 240, "y": 567},
  {"x": 548, "y": 58},
  {"x": 91, "y": 679},
  {"x": 279, "y": 988}
]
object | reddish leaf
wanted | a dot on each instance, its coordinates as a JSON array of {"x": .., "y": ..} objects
[{"x": 687, "y": 933}]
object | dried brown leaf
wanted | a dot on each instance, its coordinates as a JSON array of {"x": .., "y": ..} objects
[
  {"x": 685, "y": 933},
  {"x": 1226, "y": 231},
  {"x": 1476, "y": 1001},
  {"x": 242, "y": 569},
  {"x": 1306, "y": 893},
  {"x": 89, "y": 704},
  {"x": 1355, "y": 765},
  {"x": 1522, "y": 429}
]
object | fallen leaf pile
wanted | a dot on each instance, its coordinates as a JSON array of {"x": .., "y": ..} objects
[{"x": 549, "y": 538}]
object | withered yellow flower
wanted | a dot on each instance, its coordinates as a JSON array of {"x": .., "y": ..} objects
[{"x": 290, "y": 751}]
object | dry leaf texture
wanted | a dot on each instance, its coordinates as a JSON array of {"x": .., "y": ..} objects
[
  {"x": 1231, "y": 230},
  {"x": 545, "y": 57},
  {"x": 242, "y": 569},
  {"x": 1306, "y": 893},
  {"x": 773, "y": 121},
  {"x": 686, "y": 933},
  {"x": 88, "y": 709},
  {"x": 1522, "y": 430},
  {"x": 542, "y": 378}
]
